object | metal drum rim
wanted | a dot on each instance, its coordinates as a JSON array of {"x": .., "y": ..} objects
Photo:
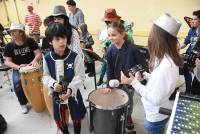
[{"x": 107, "y": 108}]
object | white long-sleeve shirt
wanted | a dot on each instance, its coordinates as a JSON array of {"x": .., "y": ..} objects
[{"x": 161, "y": 84}]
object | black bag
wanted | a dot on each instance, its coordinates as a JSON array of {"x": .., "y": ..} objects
[
  {"x": 89, "y": 41},
  {"x": 3, "y": 124}
]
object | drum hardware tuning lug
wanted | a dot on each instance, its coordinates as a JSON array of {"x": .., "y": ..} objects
[
  {"x": 113, "y": 113},
  {"x": 39, "y": 78},
  {"x": 33, "y": 81},
  {"x": 122, "y": 118},
  {"x": 25, "y": 82}
]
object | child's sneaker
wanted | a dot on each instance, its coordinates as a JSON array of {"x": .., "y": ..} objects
[{"x": 24, "y": 109}]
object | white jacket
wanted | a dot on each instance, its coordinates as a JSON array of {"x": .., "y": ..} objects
[{"x": 161, "y": 84}]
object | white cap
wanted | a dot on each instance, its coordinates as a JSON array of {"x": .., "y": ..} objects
[
  {"x": 169, "y": 24},
  {"x": 17, "y": 26}
]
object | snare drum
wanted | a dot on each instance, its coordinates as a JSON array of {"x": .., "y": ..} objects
[
  {"x": 108, "y": 112},
  {"x": 32, "y": 86},
  {"x": 49, "y": 103}
]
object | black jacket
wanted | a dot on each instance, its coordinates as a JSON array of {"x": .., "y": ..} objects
[{"x": 122, "y": 60}]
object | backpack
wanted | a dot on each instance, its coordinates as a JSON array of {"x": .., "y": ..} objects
[{"x": 3, "y": 124}]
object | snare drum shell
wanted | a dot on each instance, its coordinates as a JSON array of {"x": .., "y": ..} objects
[
  {"x": 109, "y": 121},
  {"x": 31, "y": 84},
  {"x": 108, "y": 117}
]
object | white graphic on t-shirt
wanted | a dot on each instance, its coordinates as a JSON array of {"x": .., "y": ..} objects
[{"x": 22, "y": 51}]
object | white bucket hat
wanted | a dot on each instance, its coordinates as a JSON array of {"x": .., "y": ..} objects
[
  {"x": 169, "y": 24},
  {"x": 17, "y": 26},
  {"x": 59, "y": 10}
]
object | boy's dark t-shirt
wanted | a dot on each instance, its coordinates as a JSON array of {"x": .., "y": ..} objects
[{"x": 21, "y": 54}]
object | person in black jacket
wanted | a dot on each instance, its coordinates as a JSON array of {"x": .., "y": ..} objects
[{"x": 122, "y": 56}]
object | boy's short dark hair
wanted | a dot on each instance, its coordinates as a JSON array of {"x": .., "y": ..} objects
[
  {"x": 71, "y": 3},
  {"x": 57, "y": 30},
  {"x": 197, "y": 13}
]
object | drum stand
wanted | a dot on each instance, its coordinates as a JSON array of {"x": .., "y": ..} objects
[
  {"x": 5, "y": 69},
  {"x": 92, "y": 57},
  {"x": 95, "y": 79}
]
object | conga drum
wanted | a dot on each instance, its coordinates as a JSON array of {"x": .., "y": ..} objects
[
  {"x": 49, "y": 104},
  {"x": 32, "y": 86},
  {"x": 108, "y": 112}
]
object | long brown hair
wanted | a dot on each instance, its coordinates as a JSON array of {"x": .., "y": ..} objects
[
  {"x": 23, "y": 35},
  {"x": 161, "y": 43}
]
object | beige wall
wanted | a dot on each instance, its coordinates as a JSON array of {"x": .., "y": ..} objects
[{"x": 141, "y": 12}]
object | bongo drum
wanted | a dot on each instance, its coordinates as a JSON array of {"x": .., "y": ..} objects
[
  {"x": 108, "y": 112},
  {"x": 32, "y": 86},
  {"x": 49, "y": 104}
]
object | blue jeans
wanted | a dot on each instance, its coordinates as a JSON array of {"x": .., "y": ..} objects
[
  {"x": 188, "y": 78},
  {"x": 155, "y": 127},
  {"x": 18, "y": 88}
]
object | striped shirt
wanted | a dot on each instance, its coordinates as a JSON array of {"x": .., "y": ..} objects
[{"x": 34, "y": 22}]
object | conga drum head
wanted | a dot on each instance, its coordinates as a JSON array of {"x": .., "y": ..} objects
[
  {"x": 28, "y": 69},
  {"x": 116, "y": 99}
]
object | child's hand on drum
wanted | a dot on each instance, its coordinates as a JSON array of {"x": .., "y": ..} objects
[
  {"x": 21, "y": 65},
  {"x": 34, "y": 63},
  {"x": 57, "y": 87},
  {"x": 105, "y": 90}
]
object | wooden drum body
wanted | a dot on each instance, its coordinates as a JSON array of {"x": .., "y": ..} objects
[{"x": 32, "y": 86}]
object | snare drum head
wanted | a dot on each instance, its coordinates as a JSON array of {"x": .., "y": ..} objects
[
  {"x": 28, "y": 68},
  {"x": 114, "y": 100}
]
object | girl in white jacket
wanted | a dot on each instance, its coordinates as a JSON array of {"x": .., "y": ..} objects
[{"x": 164, "y": 66}]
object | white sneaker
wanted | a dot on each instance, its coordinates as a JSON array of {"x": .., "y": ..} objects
[{"x": 24, "y": 109}]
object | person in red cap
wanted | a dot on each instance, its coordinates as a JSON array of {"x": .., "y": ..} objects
[{"x": 33, "y": 21}]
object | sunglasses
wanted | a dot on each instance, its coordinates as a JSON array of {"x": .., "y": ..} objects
[{"x": 108, "y": 22}]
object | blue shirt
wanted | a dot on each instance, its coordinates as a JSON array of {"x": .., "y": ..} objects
[{"x": 191, "y": 39}]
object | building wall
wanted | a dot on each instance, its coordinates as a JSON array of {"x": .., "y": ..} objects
[{"x": 141, "y": 12}]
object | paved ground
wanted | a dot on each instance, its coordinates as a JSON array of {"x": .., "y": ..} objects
[{"x": 42, "y": 123}]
